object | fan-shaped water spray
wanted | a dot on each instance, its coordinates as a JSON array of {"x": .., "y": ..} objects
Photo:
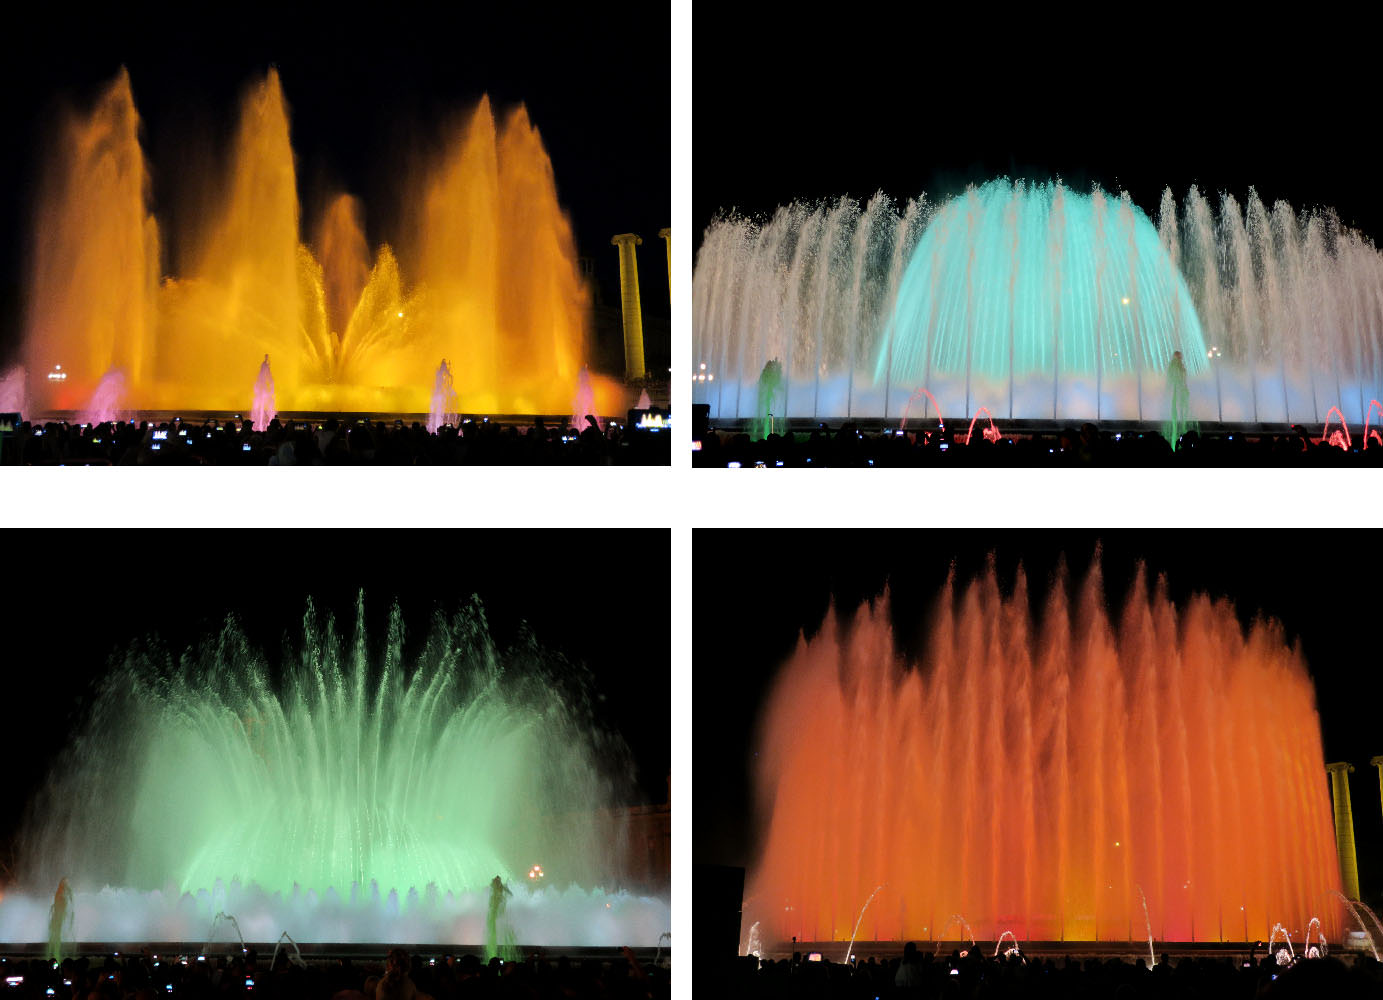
[
  {"x": 486, "y": 274},
  {"x": 1040, "y": 302},
  {"x": 342, "y": 794},
  {"x": 1041, "y": 774}
]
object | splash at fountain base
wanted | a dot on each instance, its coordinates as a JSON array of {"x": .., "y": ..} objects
[
  {"x": 1128, "y": 951},
  {"x": 546, "y": 917},
  {"x": 1225, "y": 395}
]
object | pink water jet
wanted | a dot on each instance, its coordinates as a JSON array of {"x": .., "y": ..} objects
[
  {"x": 12, "y": 394},
  {"x": 1339, "y": 437},
  {"x": 1373, "y": 405},
  {"x": 991, "y": 433},
  {"x": 262, "y": 410},
  {"x": 443, "y": 409},
  {"x": 106, "y": 404},
  {"x": 584, "y": 403},
  {"x": 917, "y": 394}
]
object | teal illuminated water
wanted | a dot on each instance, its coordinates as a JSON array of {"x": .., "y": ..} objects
[
  {"x": 346, "y": 790},
  {"x": 1040, "y": 302}
]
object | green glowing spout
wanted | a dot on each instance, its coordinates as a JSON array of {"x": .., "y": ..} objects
[
  {"x": 60, "y": 921},
  {"x": 770, "y": 400}
]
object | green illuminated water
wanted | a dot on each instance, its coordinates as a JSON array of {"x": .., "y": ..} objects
[
  {"x": 439, "y": 763},
  {"x": 770, "y": 396}
]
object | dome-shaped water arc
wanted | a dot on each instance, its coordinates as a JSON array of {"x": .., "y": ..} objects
[
  {"x": 1278, "y": 314},
  {"x": 1010, "y": 282}
]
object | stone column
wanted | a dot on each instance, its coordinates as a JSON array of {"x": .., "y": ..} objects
[
  {"x": 1378, "y": 763},
  {"x": 1344, "y": 827},
  {"x": 666, "y": 234},
  {"x": 629, "y": 304}
]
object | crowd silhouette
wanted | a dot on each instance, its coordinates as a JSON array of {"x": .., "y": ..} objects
[
  {"x": 916, "y": 974},
  {"x": 1083, "y": 445},
  {"x": 332, "y": 442},
  {"x": 400, "y": 977}
]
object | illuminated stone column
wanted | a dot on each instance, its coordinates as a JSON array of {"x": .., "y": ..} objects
[
  {"x": 629, "y": 304},
  {"x": 1378, "y": 763},
  {"x": 1344, "y": 827},
  {"x": 666, "y": 234}
]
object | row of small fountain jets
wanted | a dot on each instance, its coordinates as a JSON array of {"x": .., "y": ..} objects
[
  {"x": 1316, "y": 945},
  {"x": 60, "y": 926},
  {"x": 1339, "y": 437},
  {"x": 106, "y": 402}
]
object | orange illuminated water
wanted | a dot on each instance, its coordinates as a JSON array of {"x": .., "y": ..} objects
[
  {"x": 485, "y": 274},
  {"x": 1031, "y": 774}
]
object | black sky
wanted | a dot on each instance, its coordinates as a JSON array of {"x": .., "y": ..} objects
[
  {"x": 87, "y": 595},
  {"x": 754, "y": 592},
  {"x": 907, "y": 100},
  {"x": 364, "y": 85}
]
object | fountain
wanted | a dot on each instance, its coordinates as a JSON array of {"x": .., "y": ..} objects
[
  {"x": 59, "y": 921},
  {"x": 1339, "y": 437},
  {"x": 1372, "y": 433},
  {"x": 262, "y": 409},
  {"x": 1040, "y": 773},
  {"x": 957, "y": 920},
  {"x": 483, "y": 271},
  {"x": 769, "y": 399},
  {"x": 1042, "y": 303},
  {"x": 107, "y": 400},
  {"x": 990, "y": 433},
  {"x": 1314, "y": 950},
  {"x": 13, "y": 391},
  {"x": 1000, "y": 943},
  {"x": 1289, "y": 951},
  {"x": 347, "y": 793},
  {"x": 850, "y": 950},
  {"x": 583, "y": 405},
  {"x": 443, "y": 409}
]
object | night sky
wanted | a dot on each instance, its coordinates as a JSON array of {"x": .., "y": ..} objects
[
  {"x": 755, "y": 592},
  {"x": 88, "y": 595},
  {"x": 1136, "y": 98},
  {"x": 365, "y": 87}
]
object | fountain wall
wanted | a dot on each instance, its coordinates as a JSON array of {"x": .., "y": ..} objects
[
  {"x": 1040, "y": 303},
  {"x": 483, "y": 272},
  {"x": 1040, "y": 774}
]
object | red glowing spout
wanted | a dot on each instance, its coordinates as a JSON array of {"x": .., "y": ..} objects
[{"x": 918, "y": 393}]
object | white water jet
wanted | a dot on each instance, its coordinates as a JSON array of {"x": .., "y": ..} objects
[{"x": 1041, "y": 303}]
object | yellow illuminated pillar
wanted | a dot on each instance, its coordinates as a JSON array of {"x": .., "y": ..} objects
[
  {"x": 1344, "y": 827},
  {"x": 629, "y": 303},
  {"x": 666, "y": 234},
  {"x": 1378, "y": 763}
]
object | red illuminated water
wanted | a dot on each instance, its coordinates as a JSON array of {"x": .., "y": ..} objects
[
  {"x": 917, "y": 394},
  {"x": 1339, "y": 438},
  {"x": 991, "y": 433},
  {"x": 1034, "y": 770}
]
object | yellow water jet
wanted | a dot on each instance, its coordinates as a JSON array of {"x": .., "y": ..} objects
[{"x": 487, "y": 277}]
